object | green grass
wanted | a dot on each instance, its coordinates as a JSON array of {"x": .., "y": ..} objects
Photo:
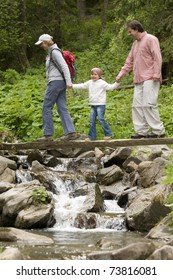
[{"x": 21, "y": 108}]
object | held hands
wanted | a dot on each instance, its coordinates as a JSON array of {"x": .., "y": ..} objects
[
  {"x": 117, "y": 80},
  {"x": 156, "y": 79},
  {"x": 116, "y": 85}
]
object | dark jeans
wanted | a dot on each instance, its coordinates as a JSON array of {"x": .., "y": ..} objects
[
  {"x": 56, "y": 94},
  {"x": 98, "y": 111}
]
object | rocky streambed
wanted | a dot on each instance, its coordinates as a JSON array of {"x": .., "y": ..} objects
[{"x": 115, "y": 190}]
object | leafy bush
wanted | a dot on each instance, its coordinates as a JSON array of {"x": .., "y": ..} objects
[
  {"x": 21, "y": 106},
  {"x": 40, "y": 195},
  {"x": 11, "y": 76}
]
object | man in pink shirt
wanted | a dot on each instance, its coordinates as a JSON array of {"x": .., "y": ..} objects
[{"x": 145, "y": 60}]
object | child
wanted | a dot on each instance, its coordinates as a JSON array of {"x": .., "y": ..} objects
[{"x": 97, "y": 99}]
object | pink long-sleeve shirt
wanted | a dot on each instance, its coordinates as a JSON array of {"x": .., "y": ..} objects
[{"x": 144, "y": 58}]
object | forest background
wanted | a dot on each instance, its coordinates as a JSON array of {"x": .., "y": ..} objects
[{"x": 95, "y": 31}]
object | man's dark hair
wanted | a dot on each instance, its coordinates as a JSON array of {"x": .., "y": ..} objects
[{"x": 135, "y": 25}]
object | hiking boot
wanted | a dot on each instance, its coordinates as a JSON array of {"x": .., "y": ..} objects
[
  {"x": 138, "y": 136},
  {"x": 82, "y": 137},
  {"x": 153, "y": 135},
  {"x": 45, "y": 138},
  {"x": 107, "y": 138},
  {"x": 70, "y": 136},
  {"x": 88, "y": 139}
]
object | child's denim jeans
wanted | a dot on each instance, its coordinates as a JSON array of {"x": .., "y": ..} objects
[{"x": 98, "y": 111}]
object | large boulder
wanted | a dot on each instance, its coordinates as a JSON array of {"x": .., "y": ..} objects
[
  {"x": 27, "y": 205},
  {"x": 163, "y": 253},
  {"x": 10, "y": 234},
  {"x": 147, "y": 208},
  {"x": 5, "y": 186},
  {"x": 118, "y": 156},
  {"x": 86, "y": 220},
  {"x": 8, "y": 176},
  {"x": 150, "y": 171},
  {"x": 36, "y": 216},
  {"x": 35, "y": 155},
  {"x": 94, "y": 201},
  {"x": 11, "y": 254},
  {"x": 162, "y": 230},
  {"x": 150, "y": 152},
  {"x": 107, "y": 176},
  {"x": 7, "y": 163},
  {"x": 134, "y": 251}
]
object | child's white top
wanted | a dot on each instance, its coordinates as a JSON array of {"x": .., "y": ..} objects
[{"x": 97, "y": 90}]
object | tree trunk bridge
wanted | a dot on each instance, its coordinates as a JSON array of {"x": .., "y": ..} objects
[{"x": 52, "y": 145}]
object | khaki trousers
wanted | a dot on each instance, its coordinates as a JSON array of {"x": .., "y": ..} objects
[{"x": 145, "y": 114}]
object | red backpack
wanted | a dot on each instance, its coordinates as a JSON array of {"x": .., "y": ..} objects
[{"x": 70, "y": 60}]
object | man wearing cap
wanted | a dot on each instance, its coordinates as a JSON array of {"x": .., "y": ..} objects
[{"x": 58, "y": 75}]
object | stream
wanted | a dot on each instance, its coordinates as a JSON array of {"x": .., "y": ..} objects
[{"x": 71, "y": 242}]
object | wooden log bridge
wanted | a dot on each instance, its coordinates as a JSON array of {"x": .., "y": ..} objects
[{"x": 53, "y": 145}]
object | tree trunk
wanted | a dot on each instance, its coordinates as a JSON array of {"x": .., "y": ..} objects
[
  {"x": 104, "y": 11},
  {"x": 22, "y": 51},
  {"x": 22, "y": 57},
  {"x": 57, "y": 16},
  {"x": 88, "y": 145},
  {"x": 81, "y": 7}
]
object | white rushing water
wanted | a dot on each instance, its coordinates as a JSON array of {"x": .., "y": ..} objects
[
  {"x": 67, "y": 208},
  {"x": 70, "y": 194}
]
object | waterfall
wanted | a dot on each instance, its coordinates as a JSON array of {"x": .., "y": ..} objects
[
  {"x": 68, "y": 205},
  {"x": 23, "y": 176}
]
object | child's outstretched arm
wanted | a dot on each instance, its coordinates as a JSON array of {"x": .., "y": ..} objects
[
  {"x": 111, "y": 86},
  {"x": 81, "y": 86}
]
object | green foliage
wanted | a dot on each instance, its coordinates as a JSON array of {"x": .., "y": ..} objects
[
  {"x": 22, "y": 96},
  {"x": 9, "y": 28},
  {"x": 169, "y": 172},
  {"x": 39, "y": 195},
  {"x": 10, "y": 76},
  {"x": 169, "y": 180},
  {"x": 88, "y": 35},
  {"x": 80, "y": 26},
  {"x": 21, "y": 106},
  {"x": 21, "y": 103},
  {"x": 169, "y": 201},
  {"x": 165, "y": 104}
]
